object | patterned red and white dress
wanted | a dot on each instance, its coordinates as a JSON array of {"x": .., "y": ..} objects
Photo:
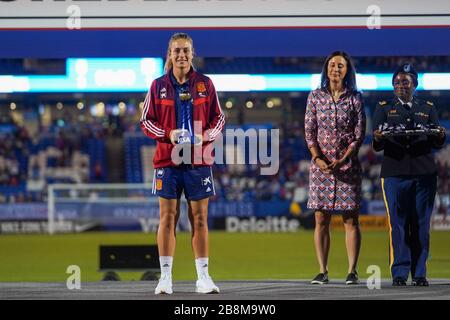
[{"x": 333, "y": 128}]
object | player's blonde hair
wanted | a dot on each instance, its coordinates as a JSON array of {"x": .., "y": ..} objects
[{"x": 168, "y": 65}]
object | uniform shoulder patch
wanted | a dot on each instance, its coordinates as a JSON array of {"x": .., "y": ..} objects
[
  {"x": 430, "y": 103},
  {"x": 382, "y": 103}
]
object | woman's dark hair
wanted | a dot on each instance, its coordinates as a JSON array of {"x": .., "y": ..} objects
[{"x": 350, "y": 77}]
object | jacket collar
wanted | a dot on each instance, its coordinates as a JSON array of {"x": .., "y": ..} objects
[
  {"x": 397, "y": 101},
  {"x": 191, "y": 75}
]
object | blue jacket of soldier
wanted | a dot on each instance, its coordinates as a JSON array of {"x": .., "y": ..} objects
[{"x": 411, "y": 155}]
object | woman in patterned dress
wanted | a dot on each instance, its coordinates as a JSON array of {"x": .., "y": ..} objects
[{"x": 335, "y": 126}]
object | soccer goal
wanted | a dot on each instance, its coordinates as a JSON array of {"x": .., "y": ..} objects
[{"x": 105, "y": 207}]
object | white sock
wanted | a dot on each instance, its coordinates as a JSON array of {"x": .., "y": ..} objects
[
  {"x": 165, "y": 263},
  {"x": 201, "y": 264}
]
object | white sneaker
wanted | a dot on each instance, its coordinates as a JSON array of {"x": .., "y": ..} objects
[
  {"x": 206, "y": 285},
  {"x": 164, "y": 285}
]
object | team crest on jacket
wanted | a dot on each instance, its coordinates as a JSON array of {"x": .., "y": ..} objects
[
  {"x": 201, "y": 89},
  {"x": 163, "y": 93}
]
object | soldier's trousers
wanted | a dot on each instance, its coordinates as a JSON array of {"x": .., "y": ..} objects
[{"x": 409, "y": 203}]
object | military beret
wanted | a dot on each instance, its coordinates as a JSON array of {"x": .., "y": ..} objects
[{"x": 408, "y": 69}]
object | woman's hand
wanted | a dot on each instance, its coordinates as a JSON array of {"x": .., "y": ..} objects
[
  {"x": 378, "y": 136},
  {"x": 336, "y": 165},
  {"x": 441, "y": 132},
  {"x": 174, "y": 134},
  {"x": 323, "y": 166},
  {"x": 198, "y": 139}
]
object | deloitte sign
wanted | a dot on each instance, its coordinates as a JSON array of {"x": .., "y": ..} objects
[{"x": 268, "y": 224}]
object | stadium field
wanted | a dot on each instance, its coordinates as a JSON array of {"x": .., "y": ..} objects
[{"x": 234, "y": 256}]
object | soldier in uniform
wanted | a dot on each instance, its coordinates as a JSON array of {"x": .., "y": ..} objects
[{"x": 408, "y": 176}]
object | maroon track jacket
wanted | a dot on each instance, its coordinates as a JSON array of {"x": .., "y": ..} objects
[{"x": 159, "y": 117}]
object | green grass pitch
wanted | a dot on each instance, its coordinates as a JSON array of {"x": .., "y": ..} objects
[{"x": 233, "y": 256}]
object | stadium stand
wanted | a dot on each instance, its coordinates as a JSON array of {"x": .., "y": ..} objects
[{"x": 68, "y": 148}]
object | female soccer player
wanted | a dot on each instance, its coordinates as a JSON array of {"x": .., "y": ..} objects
[{"x": 182, "y": 109}]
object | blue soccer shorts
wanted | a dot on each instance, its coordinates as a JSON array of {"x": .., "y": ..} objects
[{"x": 196, "y": 182}]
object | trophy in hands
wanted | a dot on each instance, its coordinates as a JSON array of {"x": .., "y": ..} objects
[
  {"x": 182, "y": 136},
  {"x": 185, "y": 133}
]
